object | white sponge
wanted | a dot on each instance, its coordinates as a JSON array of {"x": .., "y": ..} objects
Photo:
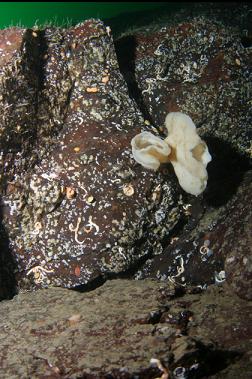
[
  {"x": 183, "y": 147},
  {"x": 191, "y": 154},
  {"x": 149, "y": 150}
]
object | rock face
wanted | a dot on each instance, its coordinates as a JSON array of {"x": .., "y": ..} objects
[
  {"x": 78, "y": 212},
  {"x": 217, "y": 241},
  {"x": 75, "y": 205},
  {"x": 86, "y": 208},
  {"x": 119, "y": 329},
  {"x": 200, "y": 67}
]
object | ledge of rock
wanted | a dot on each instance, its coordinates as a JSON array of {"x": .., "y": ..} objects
[{"x": 117, "y": 330}]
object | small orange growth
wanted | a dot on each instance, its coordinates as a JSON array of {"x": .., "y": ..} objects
[
  {"x": 76, "y": 149},
  {"x": 77, "y": 271},
  {"x": 70, "y": 193},
  {"x": 92, "y": 89}
]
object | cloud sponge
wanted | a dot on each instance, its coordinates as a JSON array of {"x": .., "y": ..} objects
[
  {"x": 149, "y": 150},
  {"x": 190, "y": 154},
  {"x": 183, "y": 147}
]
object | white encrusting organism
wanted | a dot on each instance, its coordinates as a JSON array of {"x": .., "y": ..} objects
[
  {"x": 191, "y": 154},
  {"x": 183, "y": 147},
  {"x": 149, "y": 150}
]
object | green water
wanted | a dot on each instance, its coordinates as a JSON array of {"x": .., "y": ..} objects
[{"x": 28, "y": 14}]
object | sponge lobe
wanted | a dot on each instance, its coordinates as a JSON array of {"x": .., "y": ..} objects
[
  {"x": 149, "y": 150},
  {"x": 192, "y": 155}
]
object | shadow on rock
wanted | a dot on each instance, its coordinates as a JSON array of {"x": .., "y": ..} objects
[
  {"x": 8, "y": 287},
  {"x": 144, "y": 17},
  {"x": 225, "y": 171},
  {"x": 98, "y": 282},
  {"x": 125, "y": 49},
  {"x": 212, "y": 362}
]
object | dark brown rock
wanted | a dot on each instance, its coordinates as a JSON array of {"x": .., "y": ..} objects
[
  {"x": 72, "y": 167},
  {"x": 237, "y": 246},
  {"x": 213, "y": 246},
  {"x": 35, "y": 87},
  {"x": 18, "y": 102},
  {"x": 87, "y": 209},
  {"x": 11, "y": 41},
  {"x": 199, "y": 67}
]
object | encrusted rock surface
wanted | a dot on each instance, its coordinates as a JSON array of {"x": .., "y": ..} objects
[
  {"x": 216, "y": 240},
  {"x": 77, "y": 210},
  {"x": 115, "y": 330},
  {"x": 87, "y": 208},
  {"x": 84, "y": 208},
  {"x": 200, "y": 67}
]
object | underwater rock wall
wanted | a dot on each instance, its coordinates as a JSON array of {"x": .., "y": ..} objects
[
  {"x": 81, "y": 207},
  {"x": 202, "y": 67},
  {"x": 199, "y": 67},
  {"x": 76, "y": 207},
  {"x": 77, "y": 210}
]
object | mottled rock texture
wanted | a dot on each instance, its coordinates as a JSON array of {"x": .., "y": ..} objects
[
  {"x": 201, "y": 65},
  {"x": 200, "y": 68},
  {"x": 75, "y": 205},
  {"x": 214, "y": 240},
  {"x": 77, "y": 210},
  {"x": 86, "y": 208},
  {"x": 115, "y": 330}
]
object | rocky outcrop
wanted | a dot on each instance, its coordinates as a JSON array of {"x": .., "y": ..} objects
[
  {"x": 200, "y": 67},
  {"x": 85, "y": 209}
]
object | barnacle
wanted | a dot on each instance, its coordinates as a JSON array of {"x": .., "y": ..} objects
[
  {"x": 39, "y": 273},
  {"x": 128, "y": 189}
]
